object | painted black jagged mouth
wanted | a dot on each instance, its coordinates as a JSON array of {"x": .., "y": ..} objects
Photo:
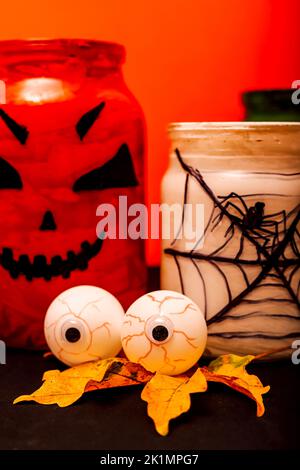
[{"x": 58, "y": 266}]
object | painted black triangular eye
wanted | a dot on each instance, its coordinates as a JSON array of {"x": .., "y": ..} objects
[
  {"x": 9, "y": 177},
  {"x": 87, "y": 120},
  {"x": 20, "y": 132},
  {"x": 116, "y": 173}
]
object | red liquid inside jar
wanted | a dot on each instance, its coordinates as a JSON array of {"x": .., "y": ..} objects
[{"x": 71, "y": 138}]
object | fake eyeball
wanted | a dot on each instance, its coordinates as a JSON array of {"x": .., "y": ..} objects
[
  {"x": 165, "y": 331},
  {"x": 83, "y": 324}
]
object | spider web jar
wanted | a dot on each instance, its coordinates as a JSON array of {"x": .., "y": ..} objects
[
  {"x": 242, "y": 268},
  {"x": 71, "y": 139}
]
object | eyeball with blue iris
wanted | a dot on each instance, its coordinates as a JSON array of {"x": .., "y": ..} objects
[
  {"x": 84, "y": 324},
  {"x": 165, "y": 332}
]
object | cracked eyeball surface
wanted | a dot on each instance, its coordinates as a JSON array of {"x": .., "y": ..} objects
[
  {"x": 83, "y": 324},
  {"x": 165, "y": 331}
]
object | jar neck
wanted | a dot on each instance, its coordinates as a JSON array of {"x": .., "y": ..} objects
[
  {"x": 45, "y": 71},
  {"x": 238, "y": 146},
  {"x": 35, "y": 58}
]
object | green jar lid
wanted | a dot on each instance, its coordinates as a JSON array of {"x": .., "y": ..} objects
[{"x": 271, "y": 105}]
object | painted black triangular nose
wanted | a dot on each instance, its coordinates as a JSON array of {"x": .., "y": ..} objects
[{"x": 48, "y": 222}]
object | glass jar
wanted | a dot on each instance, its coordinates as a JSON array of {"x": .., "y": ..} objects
[
  {"x": 71, "y": 139},
  {"x": 243, "y": 268}
]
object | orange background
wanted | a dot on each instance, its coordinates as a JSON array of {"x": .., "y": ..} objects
[{"x": 187, "y": 60}]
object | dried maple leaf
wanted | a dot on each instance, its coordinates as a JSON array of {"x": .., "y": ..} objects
[
  {"x": 64, "y": 388},
  {"x": 230, "y": 370},
  {"x": 169, "y": 397},
  {"x": 121, "y": 373}
]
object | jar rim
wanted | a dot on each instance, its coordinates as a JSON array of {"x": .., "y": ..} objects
[
  {"x": 92, "y": 49},
  {"x": 230, "y": 126}
]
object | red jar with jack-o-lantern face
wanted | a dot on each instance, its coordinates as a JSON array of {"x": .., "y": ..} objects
[{"x": 71, "y": 138}]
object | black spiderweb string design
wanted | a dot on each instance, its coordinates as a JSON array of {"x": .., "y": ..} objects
[{"x": 269, "y": 235}]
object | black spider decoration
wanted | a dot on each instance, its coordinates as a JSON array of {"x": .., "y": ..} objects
[{"x": 251, "y": 219}]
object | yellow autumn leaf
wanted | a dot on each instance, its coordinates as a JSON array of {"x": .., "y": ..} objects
[
  {"x": 169, "y": 397},
  {"x": 64, "y": 388},
  {"x": 231, "y": 370}
]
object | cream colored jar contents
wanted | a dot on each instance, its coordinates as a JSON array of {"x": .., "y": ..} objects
[{"x": 244, "y": 272}]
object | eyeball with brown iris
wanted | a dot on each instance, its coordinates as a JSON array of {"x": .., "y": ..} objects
[
  {"x": 165, "y": 331},
  {"x": 83, "y": 324}
]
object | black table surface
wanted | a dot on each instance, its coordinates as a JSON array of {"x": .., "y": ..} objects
[{"x": 114, "y": 419}]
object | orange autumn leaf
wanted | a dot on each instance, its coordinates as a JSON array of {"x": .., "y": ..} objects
[
  {"x": 64, "y": 388},
  {"x": 121, "y": 373},
  {"x": 168, "y": 397},
  {"x": 231, "y": 370}
]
